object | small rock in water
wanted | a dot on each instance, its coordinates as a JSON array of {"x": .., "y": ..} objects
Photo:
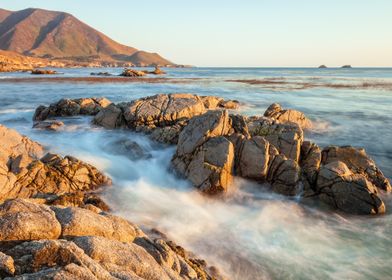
[
  {"x": 43, "y": 72},
  {"x": 48, "y": 125},
  {"x": 132, "y": 73},
  {"x": 130, "y": 149}
]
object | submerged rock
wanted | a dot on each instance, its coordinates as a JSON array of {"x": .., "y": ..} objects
[
  {"x": 71, "y": 107},
  {"x": 48, "y": 125}
]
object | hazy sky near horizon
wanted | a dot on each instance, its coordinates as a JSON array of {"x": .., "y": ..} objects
[{"x": 242, "y": 33}]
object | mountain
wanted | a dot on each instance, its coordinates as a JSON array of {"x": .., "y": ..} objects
[{"x": 59, "y": 35}]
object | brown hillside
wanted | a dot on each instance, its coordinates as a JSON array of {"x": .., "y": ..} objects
[
  {"x": 59, "y": 35},
  {"x": 145, "y": 58},
  {"x": 4, "y": 14}
]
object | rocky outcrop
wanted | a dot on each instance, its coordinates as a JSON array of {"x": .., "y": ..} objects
[
  {"x": 358, "y": 162},
  {"x": 353, "y": 193},
  {"x": 276, "y": 112},
  {"x": 71, "y": 107},
  {"x": 213, "y": 146},
  {"x": 42, "y": 242},
  {"x": 25, "y": 173},
  {"x": 162, "y": 116}
]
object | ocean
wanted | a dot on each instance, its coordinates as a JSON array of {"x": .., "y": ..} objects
[{"x": 252, "y": 233}]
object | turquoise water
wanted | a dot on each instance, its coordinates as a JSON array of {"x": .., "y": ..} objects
[{"x": 252, "y": 234}]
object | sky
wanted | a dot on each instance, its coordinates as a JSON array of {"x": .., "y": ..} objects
[{"x": 254, "y": 33}]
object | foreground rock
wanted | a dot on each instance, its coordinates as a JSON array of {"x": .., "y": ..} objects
[
  {"x": 71, "y": 107},
  {"x": 25, "y": 172},
  {"x": 42, "y": 242}
]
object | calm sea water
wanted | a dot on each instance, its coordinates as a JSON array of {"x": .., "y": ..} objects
[{"x": 252, "y": 234}]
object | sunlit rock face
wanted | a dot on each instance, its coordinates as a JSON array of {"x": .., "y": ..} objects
[
  {"x": 72, "y": 243},
  {"x": 25, "y": 172},
  {"x": 213, "y": 146}
]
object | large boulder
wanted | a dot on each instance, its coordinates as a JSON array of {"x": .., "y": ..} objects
[
  {"x": 211, "y": 167},
  {"x": 110, "y": 117},
  {"x": 358, "y": 162},
  {"x": 202, "y": 155},
  {"x": 284, "y": 175},
  {"x": 25, "y": 173},
  {"x": 339, "y": 187},
  {"x": 71, "y": 107},
  {"x": 162, "y": 109},
  {"x": 253, "y": 158},
  {"x": 23, "y": 220},
  {"x": 83, "y": 222},
  {"x": 276, "y": 112}
]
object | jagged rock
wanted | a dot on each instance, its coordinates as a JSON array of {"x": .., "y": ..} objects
[
  {"x": 132, "y": 73},
  {"x": 6, "y": 265},
  {"x": 83, "y": 222},
  {"x": 98, "y": 246},
  {"x": 23, "y": 220},
  {"x": 110, "y": 117},
  {"x": 48, "y": 125},
  {"x": 201, "y": 161},
  {"x": 211, "y": 167},
  {"x": 253, "y": 158},
  {"x": 239, "y": 124},
  {"x": 55, "y": 259},
  {"x": 310, "y": 164},
  {"x": 71, "y": 107},
  {"x": 358, "y": 162},
  {"x": 124, "y": 259},
  {"x": 352, "y": 193},
  {"x": 287, "y": 137},
  {"x": 284, "y": 175},
  {"x": 24, "y": 173},
  {"x": 276, "y": 112},
  {"x": 167, "y": 134},
  {"x": 163, "y": 109},
  {"x": 76, "y": 199}
]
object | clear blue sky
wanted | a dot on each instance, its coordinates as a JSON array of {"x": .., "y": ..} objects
[{"x": 242, "y": 32}]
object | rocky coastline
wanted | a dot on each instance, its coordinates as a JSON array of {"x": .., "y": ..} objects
[{"x": 54, "y": 225}]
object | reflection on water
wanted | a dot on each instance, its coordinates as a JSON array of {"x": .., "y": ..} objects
[{"x": 251, "y": 233}]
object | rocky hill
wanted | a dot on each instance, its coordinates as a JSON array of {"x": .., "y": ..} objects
[{"x": 59, "y": 35}]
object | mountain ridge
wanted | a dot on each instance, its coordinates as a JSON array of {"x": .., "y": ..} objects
[{"x": 60, "y": 35}]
